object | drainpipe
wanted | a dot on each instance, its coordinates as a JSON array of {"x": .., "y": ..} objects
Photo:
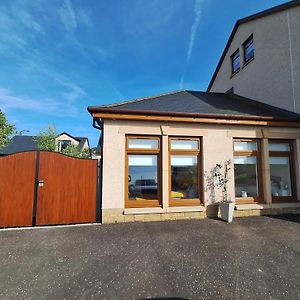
[{"x": 97, "y": 125}]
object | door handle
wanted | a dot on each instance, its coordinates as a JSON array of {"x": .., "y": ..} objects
[{"x": 41, "y": 183}]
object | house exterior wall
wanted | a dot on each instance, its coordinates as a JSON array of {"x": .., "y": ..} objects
[
  {"x": 273, "y": 77},
  {"x": 65, "y": 137},
  {"x": 217, "y": 147},
  {"x": 85, "y": 145}
]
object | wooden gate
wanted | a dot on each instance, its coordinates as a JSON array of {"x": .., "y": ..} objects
[
  {"x": 47, "y": 188},
  {"x": 17, "y": 180}
]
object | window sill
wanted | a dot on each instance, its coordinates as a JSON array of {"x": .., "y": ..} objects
[
  {"x": 144, "y": 210},
  {"x": 158, "y": 210},
  {"x": 233, "y": 74},
  {"x": 186, "y": 208},
  {"x": 247, "y": 62}
]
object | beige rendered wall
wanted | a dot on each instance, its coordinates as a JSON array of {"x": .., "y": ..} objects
[
  {"x": 85, "y": 145},
  {"x": 65, "y": 137},
  {"x": 217, "y": 148},
  {"x": 273, "y": 76}
]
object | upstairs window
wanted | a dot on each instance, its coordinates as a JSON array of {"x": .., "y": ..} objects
[
  {"x": 248, "y": 49},
  {"x": 235, "y": 62},
  {"x": 64, "y": 144}
]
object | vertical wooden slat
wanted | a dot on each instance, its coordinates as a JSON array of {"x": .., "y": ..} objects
[{"x": 17, "y": 179}]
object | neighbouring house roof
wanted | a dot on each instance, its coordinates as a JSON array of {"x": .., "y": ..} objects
[
  {"x": 199, "y": 104},
  {"x": 69, "y": 135},
  {"x": 20, "y": 143},
  {"x": 82, "y": 141},
  {"x": 239, "y": 22}
]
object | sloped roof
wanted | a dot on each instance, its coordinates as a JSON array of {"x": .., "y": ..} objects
[
  {"x": 20, "y": 143},
  {"x": 82, "y": 140},
  {"x": 199, "y": 104},
  {"x": 239, "y": 22}
]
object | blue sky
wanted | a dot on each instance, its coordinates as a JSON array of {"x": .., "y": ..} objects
[{"x": 60, "y": 56}]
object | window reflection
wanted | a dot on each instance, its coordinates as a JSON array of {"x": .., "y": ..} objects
[
  {"x": 246, "y": 176},
  {"x": 184, "y": 177},
  {"x": 280, "y": 176},
  {"x": 142, "y": 177}
]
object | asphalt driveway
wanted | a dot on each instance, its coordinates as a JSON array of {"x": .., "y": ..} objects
[{"x": 252, "y": 258}]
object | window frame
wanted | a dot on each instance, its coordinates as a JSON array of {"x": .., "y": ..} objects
[
  {"x": 194, "y": 201},
  {"x": 246, "y": 61},
  {"x": 291, "y": 156},
  {"x": 61, "y": 142},
  {"x": 233, "y": 72},
  {"x": 249, "y": 153},
  {"x": 134, "y": 151}
]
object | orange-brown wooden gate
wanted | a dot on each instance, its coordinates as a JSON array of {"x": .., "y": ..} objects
[{"x": 47, "y": 188}]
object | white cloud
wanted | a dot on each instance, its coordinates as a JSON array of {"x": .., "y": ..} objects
[
  {"x": 83, "y": 17},
  {"x": 46, "y": 106},
  {"x": 26, "y": 19},
  {"x": 73, "y": 17},
  {"x": 67, "y": 15},
  {"x": 198, "y": 13}
]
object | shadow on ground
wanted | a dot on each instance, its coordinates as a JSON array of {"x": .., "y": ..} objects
[{"x": 291, "y": 217}]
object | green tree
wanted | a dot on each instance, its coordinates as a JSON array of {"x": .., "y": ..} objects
[
  {"x": 74, "y": 151},
  {"x": 6, "y": 130},
  {"x": 46, "y": 139}
]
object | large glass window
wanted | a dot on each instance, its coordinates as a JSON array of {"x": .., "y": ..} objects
[
  {"x": 143, "y": 157},
  {"x": 247, "y": 171},
  {"x": 184, "y": 171},
  {"x": 281, "y": 168}
]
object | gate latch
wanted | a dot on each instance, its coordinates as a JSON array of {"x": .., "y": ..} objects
[{"x": 40, "y": 183}]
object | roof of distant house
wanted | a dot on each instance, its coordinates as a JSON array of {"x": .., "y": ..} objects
[
  {"x": 239, "y": 22},
  {"x": 20, "y": 143},
  {"x": 82, "y": 140},
  {"x": 199, "y": 104}
]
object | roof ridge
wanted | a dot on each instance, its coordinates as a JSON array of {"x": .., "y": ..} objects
[
  {"x": 270, "y": 10},
  {"x": 141, "y": 99}
]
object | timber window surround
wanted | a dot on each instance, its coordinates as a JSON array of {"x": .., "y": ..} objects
[
  {"x": 281, "y": 157},
  {"x": 143, "y": 171},
  {"x": 235, "y": 62},
  {"x": 248, "y": 47},
  {"x": 184, "y": 171},
  {"x": 247, "y": 170}
]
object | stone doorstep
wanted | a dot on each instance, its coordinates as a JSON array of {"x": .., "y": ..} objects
[{"x": 267, "y": 206}]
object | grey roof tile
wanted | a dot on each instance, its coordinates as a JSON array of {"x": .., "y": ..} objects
[
  {"x": 196, "y": 102},
  {"x": 20, "y": 143}
]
